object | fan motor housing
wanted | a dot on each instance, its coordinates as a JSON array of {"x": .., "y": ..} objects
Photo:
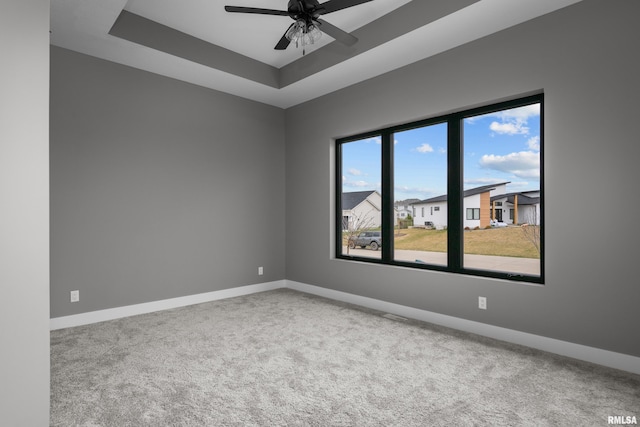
[{"x": 303, "y": 9}]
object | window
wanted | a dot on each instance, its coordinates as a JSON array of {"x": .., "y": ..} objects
[
  {"x": 455, "y": 168},
  {"x": 419, "y": 156},
  {"x": 361, "y": 195},
  {"x": 473, "y": 213}
]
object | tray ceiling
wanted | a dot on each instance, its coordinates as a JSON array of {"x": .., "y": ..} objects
[{"x": 198, "y": 42}]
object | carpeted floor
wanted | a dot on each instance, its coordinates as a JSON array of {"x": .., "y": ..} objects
[{"x": 284, "y": 358}]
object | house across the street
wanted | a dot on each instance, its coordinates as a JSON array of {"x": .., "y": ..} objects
[
  {"x": 524, "y": 206},
  {"x": 361, "y": 209},
  {"x": 481, "y": 205},
  {"x": 403, "y": 207}
]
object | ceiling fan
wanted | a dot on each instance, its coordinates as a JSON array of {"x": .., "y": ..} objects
[{"x": 308, "y": 26}]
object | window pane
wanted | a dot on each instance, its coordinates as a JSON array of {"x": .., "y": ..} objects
[
  {"x": 491, "y": 159},
  {"x": 361, "y": 198},
  {"x": 502, "y": 191},
  {"x": 420, "y": 181}
]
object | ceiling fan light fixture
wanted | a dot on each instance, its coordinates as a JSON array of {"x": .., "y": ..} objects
[
  {"x": 307, "y": 27},
  {"x": 293, "y": 33},
  {"x": 313, "y": 33},
  {"x": 303, "y": 34}
]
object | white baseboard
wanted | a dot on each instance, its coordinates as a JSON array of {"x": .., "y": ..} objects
[
  {"x": 577, "y": 351},
  {"x": 149, "y": 307}
]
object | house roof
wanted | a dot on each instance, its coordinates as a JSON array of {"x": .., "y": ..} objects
[
  {"x": 353, "y": 199},
  {"x": 432, "y": 200},
  {"x": 406, "y": 202},
  {"x": 467, "y": 193},
  {"x": 522, "y": 198}
]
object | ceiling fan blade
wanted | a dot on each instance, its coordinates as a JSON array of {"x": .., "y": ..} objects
[
  {"x": 338, "y": 34},
  {"x": 284, "y": 41},
  {"x": 240, "y": 9},
  {"x": 335, "y": 5}
]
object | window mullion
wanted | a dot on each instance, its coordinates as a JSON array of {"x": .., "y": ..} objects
[
  {"x": 454, "y": 194},
  {"x": 338, "y": 200},
  {"x": 388, "y": 216}
]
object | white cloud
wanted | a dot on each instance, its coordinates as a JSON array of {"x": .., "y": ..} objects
[
  {"x": 534, "y": 143},
  {"x": 417, "y": 192},
  {"x": 358, "y": 184},
  {"x": 519, "y": 184},
  {"x": 475, "y": 182},
  {"x": 355, "y": 172},
  {"x": 525, "y": 164},
  {"x": 520, "y": 114},
  {"x": 511, "y": 186},
  {"x": 511, "y": 122},
  {"x": 509, "y": 128},
  {"x": 424, "y": 148}
]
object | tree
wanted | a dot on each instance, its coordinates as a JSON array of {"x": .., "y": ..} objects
[
  {"x": 531, "y": 229},
  {"x": 355, "y": 225}
]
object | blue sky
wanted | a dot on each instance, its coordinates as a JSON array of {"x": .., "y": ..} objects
[{"x": 498, "y": 147}]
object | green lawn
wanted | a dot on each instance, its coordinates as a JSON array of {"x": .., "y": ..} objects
[{"x": 507, "y": 241}]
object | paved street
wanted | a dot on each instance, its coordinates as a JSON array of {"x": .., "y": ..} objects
[{"x": 481, "y": 262}]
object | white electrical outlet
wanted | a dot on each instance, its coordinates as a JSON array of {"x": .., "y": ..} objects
[
  {"x": 75, "y": 296},
  {"x": 482, "y": 303},
  {"x": 260, "y": 271}
]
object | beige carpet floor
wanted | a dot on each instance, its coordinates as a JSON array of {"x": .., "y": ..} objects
[{"x": 284, "y": 358}]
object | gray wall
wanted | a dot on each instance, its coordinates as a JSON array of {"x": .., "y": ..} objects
[
  {"x": 163, "y": 189},
  {"x": 24, "y": 216},
  {"x": 159, "y": 188},
  {"x": 585, "y": 59}
]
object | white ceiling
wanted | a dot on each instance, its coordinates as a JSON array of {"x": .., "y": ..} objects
[
  {"x": 83, "y": 26},
  {"x": 250, "y": 35}
]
